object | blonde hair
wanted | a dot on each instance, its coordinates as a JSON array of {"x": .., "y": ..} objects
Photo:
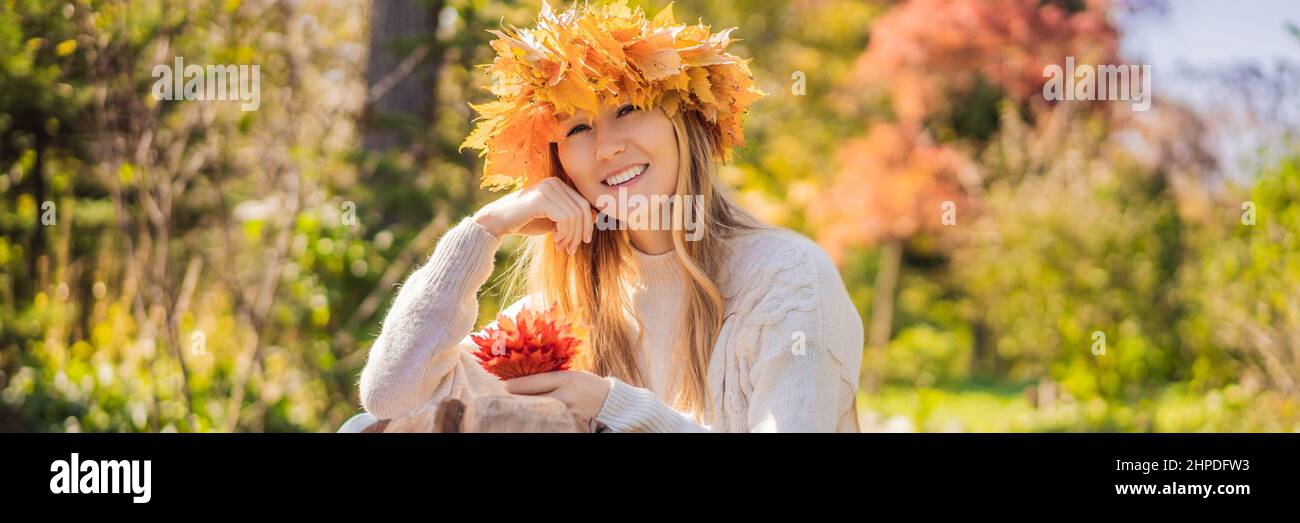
[{"x": 588, "y": 286}]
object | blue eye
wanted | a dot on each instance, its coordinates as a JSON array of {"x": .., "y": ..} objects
[{"x": 584, "y": 127}]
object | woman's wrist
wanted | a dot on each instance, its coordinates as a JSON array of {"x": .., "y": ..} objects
[{"x": 489, "y": 223}]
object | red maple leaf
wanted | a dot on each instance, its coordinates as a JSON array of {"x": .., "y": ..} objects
[{"x": 530, "y": 343}]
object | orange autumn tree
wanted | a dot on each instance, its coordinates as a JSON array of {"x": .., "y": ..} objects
[
  {"x": 941, "y": 68},
  {"x": 924, "y": 54},
  {"x": 892, "y": 184}
]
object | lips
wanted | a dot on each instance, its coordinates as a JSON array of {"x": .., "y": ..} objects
[{"x": 625, "y": 175}]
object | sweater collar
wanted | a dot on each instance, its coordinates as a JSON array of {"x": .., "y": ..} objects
[{"x": 658, "y": 269}]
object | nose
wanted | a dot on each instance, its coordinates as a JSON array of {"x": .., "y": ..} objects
[{"x": 608, "y": 145}]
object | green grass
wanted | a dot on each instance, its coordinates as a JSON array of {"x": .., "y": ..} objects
[{"x": 984, "y": 406}]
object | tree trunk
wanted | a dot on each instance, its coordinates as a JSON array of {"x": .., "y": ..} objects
[
  {"x": 37, "y": 248},
  {"x": 882, "y": 304},
  {"x": 882, "y": 311},
  {"x": 401, "y": 83}
]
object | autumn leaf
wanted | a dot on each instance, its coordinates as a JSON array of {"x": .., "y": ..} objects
[
  {"x": 700, "y": 86},
  {"x": 531, "y": 343},
  {"x": 655, "y": 56},
  {"x": 519, "y": 152}
]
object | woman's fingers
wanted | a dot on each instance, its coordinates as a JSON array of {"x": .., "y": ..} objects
[
  {"x": 554, "y": 212},
  {"x": 572, "y": 215},
  {"x": 528, "y": 210},
  {"x": 585, "y": 222},
  {"x": 570, "y": 224},
  {"x": 575, "y": 224},
  {"x": 564, "y": 221},
  {"x": 579, "y": 227},
  {"x": 535, "y": 384}
]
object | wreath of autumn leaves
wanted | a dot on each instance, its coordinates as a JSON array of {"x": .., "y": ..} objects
[{"x": 586, "y": 57}]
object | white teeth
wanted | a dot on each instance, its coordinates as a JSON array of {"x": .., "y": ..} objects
[{"x": 627, "y": 174}]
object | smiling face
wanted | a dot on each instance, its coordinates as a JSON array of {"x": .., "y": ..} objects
[{"x": 623, "y": 147}]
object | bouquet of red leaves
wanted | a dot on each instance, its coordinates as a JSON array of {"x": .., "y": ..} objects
[{"x": 531, "y": 343}]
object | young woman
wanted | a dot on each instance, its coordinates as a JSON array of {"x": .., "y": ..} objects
[{"x": 714, "y": 322}]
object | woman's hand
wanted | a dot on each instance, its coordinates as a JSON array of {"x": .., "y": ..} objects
[
  {"x": 549, "y": 205},
  {"x": 582, "y": 392}
]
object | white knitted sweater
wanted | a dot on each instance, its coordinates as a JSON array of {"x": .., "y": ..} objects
[{"x": 786, "y": 360}]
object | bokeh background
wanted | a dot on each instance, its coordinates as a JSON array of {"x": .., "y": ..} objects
[{"x": 201, "y": 268}]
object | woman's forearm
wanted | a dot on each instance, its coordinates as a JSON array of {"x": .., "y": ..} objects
[{"x": 434, "y": 311}]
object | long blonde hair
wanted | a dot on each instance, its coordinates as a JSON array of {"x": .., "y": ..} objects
[{"x": 589, "y": 286}]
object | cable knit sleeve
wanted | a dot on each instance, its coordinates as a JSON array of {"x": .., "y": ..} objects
[
  {"x": 800, "y": 339},
  {"x": 803, "y": 362},
  {"x": 423, "y": 351},
  {"x": 629, "y": 408}
]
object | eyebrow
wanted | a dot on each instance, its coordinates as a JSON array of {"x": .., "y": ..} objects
[{"x": 575, "y": 119}]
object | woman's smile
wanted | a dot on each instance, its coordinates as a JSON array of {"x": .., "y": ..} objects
[{"x": 626, "y": 176}]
